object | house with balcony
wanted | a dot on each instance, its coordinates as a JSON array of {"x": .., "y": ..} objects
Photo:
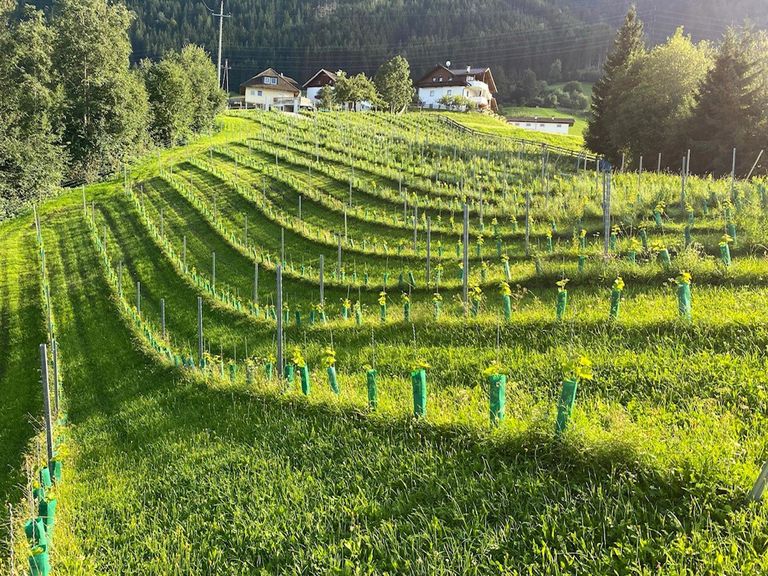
[
  {"x": 271, "y": 90},
  {"x": 320, "y": 80},
  {"x": 473, "y": 83}
]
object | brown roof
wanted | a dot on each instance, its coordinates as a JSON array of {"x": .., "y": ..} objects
[
  {"x": 284, "y": 83},
  {"x": 321, "y": 78},
  {"x": 443, "y": 76},
  {"x": 542, "y": 120}
]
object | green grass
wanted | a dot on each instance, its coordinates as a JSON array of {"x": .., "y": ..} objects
[
  {"x": 498, "y": 127},
  {"x": 177, "y": 471}
]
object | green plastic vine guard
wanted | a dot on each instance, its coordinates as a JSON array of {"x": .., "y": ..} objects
[
  {"x": 684, "y": 301},
  {"x": 615, "y": 304},
  {"x": 419, "y": 382},
  {"x": 644, "y": 238},
  {"x": 725, "y": 254},
  {"x": 731, "y": 230},
  {"x": 582, "y": 261},
  {"x": 657, "y": 218},
  {"x": 45, "y": 477},
  {"x": 507, "y": 272},
  {"x": 332, "y": 380},
  {"x": 39, "y": 563},
  {"x": 632, "y": 257},
  {"x": 358, "y": 317},
  {"x": 248, "y": 374},
  {"x": 297, "y": 317},
  {"x": 345, "y": 312},
  {"x": 665, "y": 259},
  {"x": 269, "y": 369},
  {"x": 289, "y": 372},
  {"x": 687, "y": 236},
  {"x": 305, "y": 384},
  {"x": 507, "y": 300},
  {"x": 56, "y": 470},
  {"x": 232, "y": 372},
  {"x": 565, "y": 404},
  {"x": 537, "y": 262},
  {"x": 411, "y": 279},
  {"x": 407, "y": 311},
  {"x": 612, "y": 242},
  {"x": 562, "y": 303},
  {"x": 436, "y": 306},
  {"x": 312, "y": 317},
  {"x": 498, "y": 398},
  {"x": 383, "y": 312},
  {"x": 46, "y": 509}
]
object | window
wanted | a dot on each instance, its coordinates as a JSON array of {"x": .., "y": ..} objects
[
  {"x": 559, "y": 125},
  {"x": 259, "y": 93},
  {"x": 528, "y": 125},
  {"x": 434, "y": 79},
  {"x": 431, "y": 92},
  {"x": 440, "y": 79},
  {"x": 541, "y": 125},
  {"x": 449, "y": 92},
  {"x": 270, "y": 80}
]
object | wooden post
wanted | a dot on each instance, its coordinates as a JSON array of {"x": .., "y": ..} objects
[
  {"x": 733, "y": 174},
  {"x": 683, "y": 174},
  {"x": 606, "y": 208},
  {"x": 762, "y": 479},
  {"x": 345, "y": 225},
  {"x": 46, "y": 405},
  {"x": 528, "y": 221},
  {"x": 279, "y": 305},
  {"x": 339, "y": 259},
  {"x": 213, "y": 271},
  {"x": 429, "y": 249},
  {"x": 466, "y": 259},
  {"x": 162, "y": 316},
  {"x": 55, "y": 354},
  {"x": 200, "y": 341},
  {"x": 658, "y": 166},
  {"x": 282, "y": 246},
  {"x": 256, "y": 283},
  {"x": 322, "y": 280}
]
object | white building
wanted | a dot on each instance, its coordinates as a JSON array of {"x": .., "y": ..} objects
[
  {"x": 550, "y": 125},
  {"x": 320, "y": 80},
  {"x": 326, "y": 79},
  {"x": 271, "y": 90},
  {"x": 476, "y": 84}
]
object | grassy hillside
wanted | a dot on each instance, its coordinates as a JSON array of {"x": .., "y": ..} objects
[
  {"x": 576, "y": 130},
  {"x": 177, "y": 464},
  {"x": 499, "y": 127}
]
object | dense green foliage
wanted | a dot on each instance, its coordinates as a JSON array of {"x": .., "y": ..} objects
[
  {"x": 677, "y": 97},
  {"x": 72, "y": 109}
]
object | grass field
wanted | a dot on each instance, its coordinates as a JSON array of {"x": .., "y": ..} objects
[
  {"x": 498, "y": 127},
  {"x": 173, "y": 465}
]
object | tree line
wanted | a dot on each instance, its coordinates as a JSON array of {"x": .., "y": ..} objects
[
  {"x": 73, "y": 108},
  {"x": 682, "y": 96},
  {"x": 298, "y": 37}
]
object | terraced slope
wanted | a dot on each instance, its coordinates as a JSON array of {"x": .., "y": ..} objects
[{"x": 213, "y": 465}]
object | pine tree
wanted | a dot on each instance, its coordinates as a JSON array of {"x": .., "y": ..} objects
[
  {"x": 727, "y": 111},
  {"x": 628, "y": 43}
]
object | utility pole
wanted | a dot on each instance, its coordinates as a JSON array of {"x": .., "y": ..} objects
[{"x": 221, "y": 17}]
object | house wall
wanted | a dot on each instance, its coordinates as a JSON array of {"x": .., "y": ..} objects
[
  {"x": 313, "y": 93},
  {"x": 543, "y": 127},
  {"x": 263, "y": 97},
  {"x": 431, "y": 96}
]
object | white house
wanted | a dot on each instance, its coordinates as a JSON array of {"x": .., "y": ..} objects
[
  {"x": 476, "y": 84},
  {"x": 550, "y": 125},
  {"x": 271, "y": 90},
  {"x": 326, "y": 79},
  {"x": 319, "y": 81}
]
